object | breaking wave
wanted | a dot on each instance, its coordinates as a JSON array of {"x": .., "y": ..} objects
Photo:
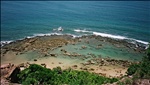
[
  {"x": 78, "y": 30},
  {"x": 131, "y": 40},
  {"x": 5, "y": 42}
]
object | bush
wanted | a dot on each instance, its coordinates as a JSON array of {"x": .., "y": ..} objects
[
  {"x": 141, "y": 70},
  {"x": 36, "y": 74},
  {"x": 132, "y": 69},
  {"x": 148, "y": 53}
]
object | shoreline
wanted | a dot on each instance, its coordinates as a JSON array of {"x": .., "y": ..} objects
[
  {"x": 137, "y": 42},
  {"x": 89, "y": 53}
]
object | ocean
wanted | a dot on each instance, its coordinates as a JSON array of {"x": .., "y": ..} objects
[{"x": 116, "y": 19}]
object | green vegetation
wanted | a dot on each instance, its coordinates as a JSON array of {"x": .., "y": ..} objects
[
  {"x": 148, "y": 53},
  {"x": 141, "y": 70},
  {"x": 132, "y": 69},
  {"x": 37, "y": 74},
  {"x": 138, "y": 71}
]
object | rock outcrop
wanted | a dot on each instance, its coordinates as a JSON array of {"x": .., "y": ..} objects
[
  {"x": 9, "y": 72},
  {"x": 141, "y": 82}
]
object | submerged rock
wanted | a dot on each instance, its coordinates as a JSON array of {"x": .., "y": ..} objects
[
  {"x": 35, "y": 59},
  {"x": 63, "y": 50},
  {"x": 75, "y": 66},
  {"x": 54, "y": 55},
  {"x": 83, "y": 47}
]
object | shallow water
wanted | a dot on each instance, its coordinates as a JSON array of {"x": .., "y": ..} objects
[
  {"x": 83, "y": 49},
  {"x": 105, "y": 51}
]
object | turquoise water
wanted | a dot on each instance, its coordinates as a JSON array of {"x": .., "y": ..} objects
[
  {"x": 107, "y": 50},
  {"x": 20, "y": 19}
]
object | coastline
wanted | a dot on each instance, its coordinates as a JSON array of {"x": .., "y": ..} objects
[
  {"x": 79, "y": 53},
  {"x": 105, "y": 35},
  {"x": 75, "y": 43}
]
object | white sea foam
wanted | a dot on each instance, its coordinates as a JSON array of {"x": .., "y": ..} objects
[
  {"x": 47, "y": 34},
  {"x": 40, "y": 34},
  {"x": 5, "y": 42},
  {"x": 140, "y": 41},
  {"x": 30, "y": 36},
  {"x": 131, "y": 40},
  {"x": 134, "y": 41},
  {"x": 78, "y": 30},
  {"x": 74, "y": 36},
  {"x": 109, "y": 35}
]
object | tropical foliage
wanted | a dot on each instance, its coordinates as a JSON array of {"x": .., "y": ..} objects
[
  {"x": 141, "y": 70},
  {"x": 37, "y": 74}
]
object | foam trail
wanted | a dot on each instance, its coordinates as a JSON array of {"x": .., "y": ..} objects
[
  {"x": 30, "y": 36},
  {"x": 78, "y": 30},
  {"x": 74, "y": 36},
  {"x": 47, "y": 34},
  {"x": 134, "y": 41},
  {"x": 101, "y": 34},
  {"x": 140, "y": 41},
  {"x": 131, "y": 40},
  {"x": 109, "y": 35}
]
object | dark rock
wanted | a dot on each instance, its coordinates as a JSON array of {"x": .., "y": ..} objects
[
  {"x": 75, "y": 66},
  {"x": 85, "y": 69},
  {"x": 35, "y": 59},
  {"x": 54, "y": 55},
  {"x": 100, "y": 45},
  {"x": 43, "y": 64},
  {"x": 73, "y": 43},
  {"x": 60, "y": 62},
  {"x": 60, "y": 46},
  {"x": 21, "y": 65},
  {"x": 81, "y": 68},
  {"x": 12, "y": 76},
  {"x": 63, "y": 50},
  {"x": 91, "y": 69}
]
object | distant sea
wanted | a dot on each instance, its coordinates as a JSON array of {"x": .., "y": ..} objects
[{"x": 116, "y": 19}]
